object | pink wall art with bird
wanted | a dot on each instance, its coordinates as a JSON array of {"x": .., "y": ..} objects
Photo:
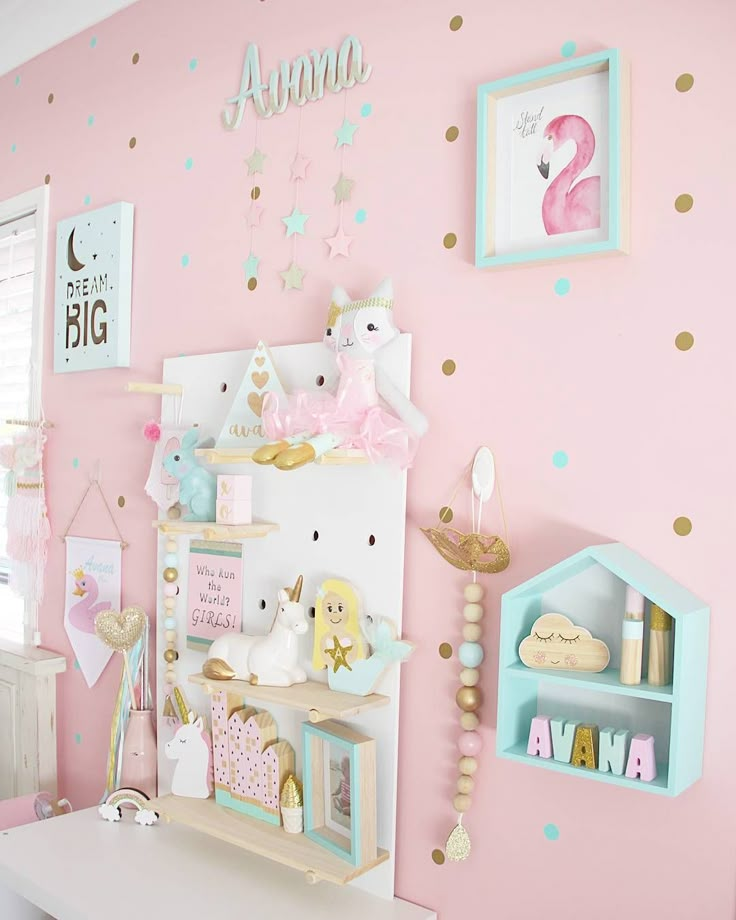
[{"x": 570, "y": 203}]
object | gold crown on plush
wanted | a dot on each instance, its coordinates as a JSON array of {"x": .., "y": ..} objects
[
  {"x": 336, "y": 311},
  {"x": 78, "y": 573}
]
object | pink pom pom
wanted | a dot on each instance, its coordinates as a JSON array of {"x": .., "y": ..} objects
[{"x": 152, "y": 431}]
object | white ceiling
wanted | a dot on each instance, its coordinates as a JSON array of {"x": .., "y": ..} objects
[{"x": 29, "y": 27}]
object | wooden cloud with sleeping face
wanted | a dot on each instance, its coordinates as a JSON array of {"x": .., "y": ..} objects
[{"x": 556, "y": 642}]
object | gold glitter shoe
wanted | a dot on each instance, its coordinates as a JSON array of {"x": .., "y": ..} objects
[
  {"x": 268, "y": 453},
  {"x": 294, "y": 457}
]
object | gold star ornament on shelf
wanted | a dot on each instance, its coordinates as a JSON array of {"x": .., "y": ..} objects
[{"x": 339, "y": 655}]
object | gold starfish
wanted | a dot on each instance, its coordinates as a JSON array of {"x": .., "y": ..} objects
[
  {"x": 339, "y": 655},
  {"x": 475, "y": 552}
]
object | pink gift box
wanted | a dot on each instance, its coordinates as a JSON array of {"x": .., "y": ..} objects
[
  {"x": 234, "y": 512},
  {"x": 234, "y": 488}
]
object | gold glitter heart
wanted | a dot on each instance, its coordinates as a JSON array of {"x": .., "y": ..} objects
[
  {"x": 457, "y": 847},
  {"x": 120, "y": 631}
]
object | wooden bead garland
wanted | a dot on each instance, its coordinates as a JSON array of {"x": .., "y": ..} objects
[{"x": 170, "y": 576}]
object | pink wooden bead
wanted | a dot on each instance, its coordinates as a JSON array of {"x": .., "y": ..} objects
[
  {"x": 470, "y": 744},
  {"x": 169, "y": 590}
]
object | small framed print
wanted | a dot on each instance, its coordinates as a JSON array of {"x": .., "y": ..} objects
[
  {"x": 340, "y": 791},
  {"x": 553, "y": 163}
]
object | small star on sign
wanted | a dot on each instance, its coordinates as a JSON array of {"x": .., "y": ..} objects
[
  {"x": 295, "y": 222},
  {"x": 343, "y": 188},
  {"x": 339, "y": 655},
  {"x": 293, "y": 277},
  {"x": 345, "y": 133},
  {"x": 339, "y": 243},
  {"x": 299, "y": 167},
  {"x": 255, "y": 162}
]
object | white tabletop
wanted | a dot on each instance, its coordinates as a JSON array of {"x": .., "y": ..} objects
[{"x": 79, "y": 867}]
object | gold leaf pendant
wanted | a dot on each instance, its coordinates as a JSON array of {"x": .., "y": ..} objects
[{"x": 457, "y": 847}]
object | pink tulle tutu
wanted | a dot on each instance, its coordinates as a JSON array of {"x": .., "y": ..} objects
[{"x": 353, "y": 415}]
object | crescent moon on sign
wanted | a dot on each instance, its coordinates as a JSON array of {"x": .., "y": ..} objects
[{"x": 74, "y": 263}]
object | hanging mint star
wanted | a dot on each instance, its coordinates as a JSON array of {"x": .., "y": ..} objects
[
  {"x": 345, "y": 133},
  {"x": 343, "y": 188},
  {"x": 251, "y": 267},
  {"x": 255, "y": 162},
  {"x": 295, "y": 222}
]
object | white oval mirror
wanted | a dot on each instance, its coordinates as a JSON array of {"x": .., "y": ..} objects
[{"x": 484, "y": 474}]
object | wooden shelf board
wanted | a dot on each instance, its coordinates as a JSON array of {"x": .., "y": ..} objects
[
  {"x": 311, "y": 697},
  {"x": 225, "y": 455},
  {"x": 294, "y": 850},
  {"x": 605, "y": 682},
  {"x": 659, "y": 785},
  {"x": 212, "y": 531}
]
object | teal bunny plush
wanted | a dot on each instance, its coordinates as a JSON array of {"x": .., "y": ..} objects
[{"x": 197, "y": 486}]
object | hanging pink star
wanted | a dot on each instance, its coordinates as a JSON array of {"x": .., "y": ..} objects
[
  {"x": 254, "y": 215},
  {"x": 339, "y": 243},
  {"x": 299, "y": 167}
]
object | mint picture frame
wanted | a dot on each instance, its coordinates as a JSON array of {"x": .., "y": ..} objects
[
  {"x": 357, "y": 844},
  {"x": 495, "y": 176}
]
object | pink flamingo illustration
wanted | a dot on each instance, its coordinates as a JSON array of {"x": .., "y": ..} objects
[
  {"x": 566, "y": 207},
  {"x": 83, "y": 613}
]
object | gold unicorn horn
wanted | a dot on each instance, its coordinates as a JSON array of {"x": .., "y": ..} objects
[{"x": 296, "y": 591}]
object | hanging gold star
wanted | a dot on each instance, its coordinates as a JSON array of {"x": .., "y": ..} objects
[
  {"x": 339, "y": 655},
  {"x": 343, "y": 188}
]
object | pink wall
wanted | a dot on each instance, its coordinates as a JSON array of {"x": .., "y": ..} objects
[{"x": 594, "y": 373}]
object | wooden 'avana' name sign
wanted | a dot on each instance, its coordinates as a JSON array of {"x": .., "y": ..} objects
[{"x": 304, "y": 80}]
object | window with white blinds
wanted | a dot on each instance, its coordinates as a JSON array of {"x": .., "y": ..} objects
[{"x": 19, "y": 379}]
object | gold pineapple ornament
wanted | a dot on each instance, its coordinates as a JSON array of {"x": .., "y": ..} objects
[{"x": 292, "y": 805}]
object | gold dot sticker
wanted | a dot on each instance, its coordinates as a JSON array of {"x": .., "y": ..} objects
[
  {"x": 121, "y": 501},
  {"x": 445, "y": 650},
  {"x": 448, "y": 367},
  {"x": 132, "y": 142},
  {"x": 682, "y": 526},
  {"x": 51, "y": 98},
  {"x": 456, "y": 23},
  {"x": 136, "y": 57},
  {"x": 684, "y": 341},
  {"x": 684, "y": 83},
  {"x": 438, "y": 857},
  {"x": 252, "y": 284},
  {"x": 446, "y": 514},
  {"x": 449, "y": 240},
  {"x": 255, "y": 193},
  {"x": 47, "y": 178},
  {"x": 452, "y": 133},
  {"x": 683, "y": 203}
]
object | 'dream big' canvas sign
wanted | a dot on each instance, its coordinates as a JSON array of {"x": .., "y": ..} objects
[{"x": 92, "y": 301}]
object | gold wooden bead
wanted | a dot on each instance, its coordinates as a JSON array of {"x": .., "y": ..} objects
[
  {"x": 473, "y": 592},
  {"x": 171, "y": 655},
  {"x": 467, "y": 765},
  {"x": 473, "y": 613},
  {"x": 170, "y": 575},
  {"x": 169, "y": 603},
  {"x": 465, "y": 784},
  {"x": 170, "y": 635},
  {"x": 171, "y": 546},
  {"x": 469, "y": 698},
  {"x": 472, "y": 632},
  {"x": 469, "y": 677},
  {"x": 461, "y": 803},
  {"x": 469, "y": 721}
]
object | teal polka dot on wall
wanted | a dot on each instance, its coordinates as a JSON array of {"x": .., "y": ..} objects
[
  {"x": 360, "y": 216},
  {"x": 366, "y": 109},
  {"x": 77, "y": 738},
  {"x": 91, "y": 120},
  {"x": 13, "y": 148},
  {"x": 76, "y": 665},
  {"x": 88, "y": 199},
  {"x": 93, "y": 42},
  {"x": 568, "y": 49},
  {"x": 17, "y": 79},
  {"x": 562, "y": 286},
  {"x": 560, "y": 459},
  {"x": 188, "y": 163},
  {"x": 184, "y": 260},
  {"x": 193, "y": 64},
  {"x": 75, "y": 462},
  {"x": 551, "y": 831}
]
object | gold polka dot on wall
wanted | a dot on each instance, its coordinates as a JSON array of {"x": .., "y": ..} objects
[
  {"x": 252, "y": 284},
  {"x": 445, "y": 650},
  {"x": 446, "y": 514},
  {"x": 47, "y": 179},
  {"x": 132, "y": 142},
  {"x": 456, "y": 23},
  {"x": 448, "y": 367},
  {"x": 136, "y": 57},
  {"x": 121, "y": 501},
  {"x": 255, "y": 193},
  {"x": 683, "y": 203},
  {"x": 682, "y": 526},
  {"x": 449, "y": 240},
  {"x": 684, "y": 341},
  {"x": 684, "y": 83},
  {"x": 438, "y": 857},
  {"x": 51, "y": 98},
  {"x": 452, "y": 133}
]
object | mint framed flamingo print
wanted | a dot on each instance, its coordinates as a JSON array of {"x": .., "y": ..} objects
[{"x": 553, "y": 163}]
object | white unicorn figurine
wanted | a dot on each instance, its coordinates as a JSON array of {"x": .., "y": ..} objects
[
  {"x": 192, "y": 750},
  {"x": 272, "y": 660}
]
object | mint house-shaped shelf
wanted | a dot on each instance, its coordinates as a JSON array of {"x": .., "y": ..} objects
[{"x": 589, "y": 587}]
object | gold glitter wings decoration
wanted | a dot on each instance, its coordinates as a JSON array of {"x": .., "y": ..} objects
[{"x": 472, "y": 552}]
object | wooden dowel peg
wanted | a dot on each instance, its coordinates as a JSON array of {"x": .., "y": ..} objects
[
  {"x": 310, "y": 877},
  {"x": 29, "y": 423},
  {"x": 162, "y": 389}
]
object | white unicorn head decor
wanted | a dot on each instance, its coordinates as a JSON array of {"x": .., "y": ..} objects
[
  {"x": 191, "y": 748},
  {"x": 272, "y": 660}
]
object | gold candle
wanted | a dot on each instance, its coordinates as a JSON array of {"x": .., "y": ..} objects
[{"x": 660, "y": 647}]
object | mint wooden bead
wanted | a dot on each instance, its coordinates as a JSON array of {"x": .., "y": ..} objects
[
  {"x": 473, "y": 592},
  {"x": 470, "y": 654},
  {"x": 171, "y": 560},
  {"x": 170, "y": 623},
  {"x": 473, "y": 613}
]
